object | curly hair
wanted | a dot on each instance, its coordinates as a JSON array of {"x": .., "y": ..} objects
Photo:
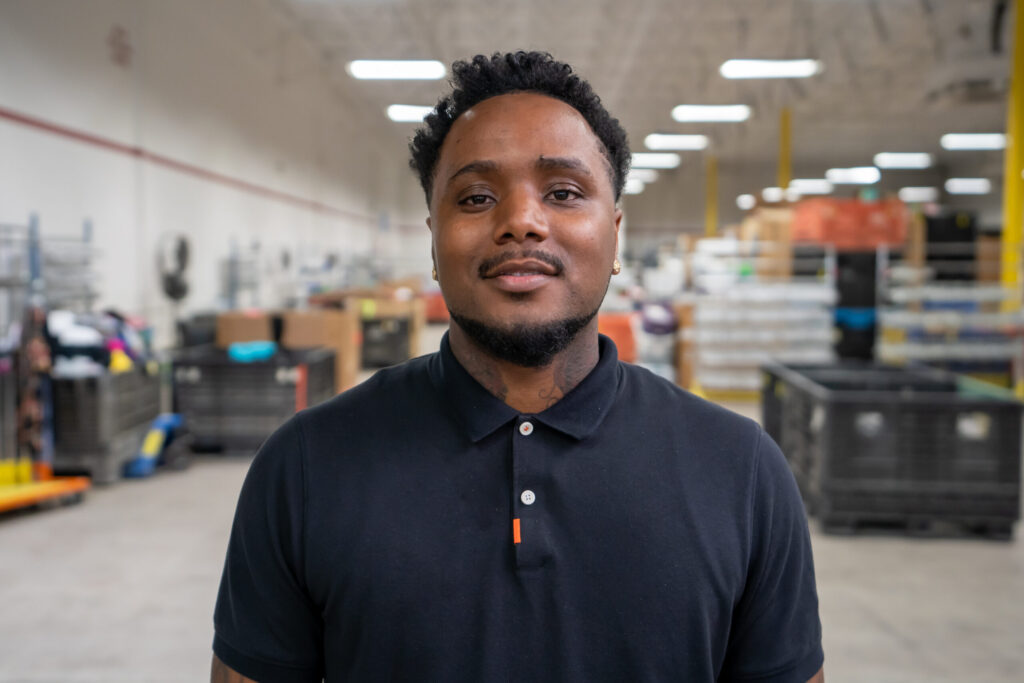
[{"x": 484, "y": 77}]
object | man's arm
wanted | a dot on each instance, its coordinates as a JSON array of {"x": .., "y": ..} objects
[
  {"x": 817, "y": 678},
  {"x": 221, "y": 673}
]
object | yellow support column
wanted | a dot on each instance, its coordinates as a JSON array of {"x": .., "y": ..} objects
[
  {"x": 711, "y": 197},
  {"x": 785, "y": 148},
  {"x": 1013, "y": 183}
]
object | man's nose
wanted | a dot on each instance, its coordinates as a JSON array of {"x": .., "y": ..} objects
[{"x": 521, "y": 217}]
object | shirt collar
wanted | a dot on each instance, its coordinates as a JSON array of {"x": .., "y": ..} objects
[{"x": 578, "y": 414}]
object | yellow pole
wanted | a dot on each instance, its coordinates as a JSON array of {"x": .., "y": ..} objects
[
  {"x": 785, "y": 148},
  {"x": 711, "y": 197},
  {"x": 1013, "y": 184}
]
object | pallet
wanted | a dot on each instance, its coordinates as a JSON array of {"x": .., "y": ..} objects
[
  {"x": 917, "y": 526},
  {"x": 62, "y": 490}
]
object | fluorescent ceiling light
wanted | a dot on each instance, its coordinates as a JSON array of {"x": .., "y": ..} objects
[
  {"x": 903, "y": 160},
  {"x": 408, "y": 113},
  {"x": 746, "y": 202},
  {"x": 968, "y": 186},
  {"x": 663, "y": 141},
  {"x": 793, "y": 195},
  {"x": 860, "y": 175},
  {"x": 807, "y": 186},
  {"x": 711, "y": 113},
  {"x": 656, "y": 160},
  {"x": 958, "y": 141},
  {"x": 770, "y": 68},
  {"x": 633, "y": 186},
  {"x": 919, "y": 195},
  {"x": 644, "y": 175},
  {"x": 396, "y": 69},
  {"x": 772, "y": 194}
]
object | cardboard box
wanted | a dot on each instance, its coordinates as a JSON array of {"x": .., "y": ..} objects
[
  {"x": 336, "y": 329},
  {"x": 244, "y": 326}
]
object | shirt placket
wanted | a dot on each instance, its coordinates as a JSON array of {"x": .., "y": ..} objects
[{"x": 529, "y": 531}]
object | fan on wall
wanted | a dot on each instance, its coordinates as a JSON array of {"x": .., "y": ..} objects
[{"x": 172, "y": 262}]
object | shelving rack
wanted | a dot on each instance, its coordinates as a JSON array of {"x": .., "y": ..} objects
[
  {"x": 24, "y": 483},
  {"x": 931, "y": 312},
  {"x": 749, "y": 309}
]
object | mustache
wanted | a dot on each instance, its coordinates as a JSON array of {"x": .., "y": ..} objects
[{"x": 535, "y": 254}]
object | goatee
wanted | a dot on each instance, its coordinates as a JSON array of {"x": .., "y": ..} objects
[{"x": 526, "y": 345}]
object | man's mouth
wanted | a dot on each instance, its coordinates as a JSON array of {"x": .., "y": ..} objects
[{"x": 521, "y": 269}]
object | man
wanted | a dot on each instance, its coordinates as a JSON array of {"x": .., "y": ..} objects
[{"x": 519, "y": 506}]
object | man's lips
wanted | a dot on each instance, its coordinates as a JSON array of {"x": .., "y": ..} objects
[{"x": 527, "y": 268}]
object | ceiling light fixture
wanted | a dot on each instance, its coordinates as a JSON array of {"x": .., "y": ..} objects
[
  {"x": 859, "y": 175},
  {"x": 772, "y": 194},
  {"x": 962, "y": 141},
  {"x": 807, "y": 186},
  {"x": 968, "y": 186},
  {"x": 711, "y": 113},
  {"x": 903, "y": 160},
  {"x": 746, "y": 202},
  {"x": 644, "y": 175},
  {"x": 408, "y": 113},
  {"x": 919, "y": 195},
  {"x": 656, "y": 160},
  {"x": 770, "y": 68},
  {"x": 633, "y": 186},
  {"x": 661, "y": 141},
  {"x": 396, "y": 69}
]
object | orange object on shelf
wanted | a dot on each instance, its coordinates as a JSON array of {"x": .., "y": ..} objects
[
  {"x": 850, "y": 224},
  {"x": 619, "y": 328},
  {"x": 437, "y": 310}
]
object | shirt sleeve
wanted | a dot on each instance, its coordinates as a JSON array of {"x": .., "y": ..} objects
[
  {"x": 266, "y": 627},
  {"x": 776, "y": 632}
]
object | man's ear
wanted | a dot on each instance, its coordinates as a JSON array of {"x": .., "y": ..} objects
[{"x": 618, "y": 224}]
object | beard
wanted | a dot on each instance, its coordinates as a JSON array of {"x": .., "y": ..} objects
[{"x": 525, "y": 345}]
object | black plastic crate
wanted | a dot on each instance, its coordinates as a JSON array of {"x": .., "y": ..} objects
[
  {"x": 874, "y": 443},
  {"x": 98, "y": 422},
  {"x": 8, "y": 409},
  {"x": 385, "y": 342},
  {"x": 854, "y": 342},
  {"x": 231, "y": 406},
  {"x": 856, "y": 279}
]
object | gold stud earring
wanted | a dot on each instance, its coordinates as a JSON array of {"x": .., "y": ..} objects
[
  {"x": 433, "y": 273},
  {"x": 616, "y": 267}
]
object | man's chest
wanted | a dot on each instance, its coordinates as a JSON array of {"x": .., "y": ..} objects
[{"x": 586, "y": 546}]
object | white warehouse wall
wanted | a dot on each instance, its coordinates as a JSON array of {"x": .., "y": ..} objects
[{"x": 226, "y": 88}]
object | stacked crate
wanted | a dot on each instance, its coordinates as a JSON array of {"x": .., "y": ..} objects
[
  {"x": 232, "y": 406},
  {"x": 100, "y": 422},
  {"x": 913, "y": 447}
]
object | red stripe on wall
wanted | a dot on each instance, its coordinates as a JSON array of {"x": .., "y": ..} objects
[{"x": 175, "y": 165}]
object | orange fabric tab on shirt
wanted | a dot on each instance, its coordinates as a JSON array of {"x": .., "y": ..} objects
[{"x": 516, "y": 538}]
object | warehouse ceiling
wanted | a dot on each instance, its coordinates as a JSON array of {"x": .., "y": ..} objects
[{"x": 897, "y": 73}]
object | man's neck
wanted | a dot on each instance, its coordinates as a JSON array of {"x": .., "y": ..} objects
[{"x": 528, "y": 390}]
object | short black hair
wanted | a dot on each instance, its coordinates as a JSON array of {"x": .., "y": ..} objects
[{"x": 483, "y": 77}]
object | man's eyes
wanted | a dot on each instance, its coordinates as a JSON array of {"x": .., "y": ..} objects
[
  {"x": 563, "y": 195},
  {"x": 475, "y": 200},
  {"x": 559, "y": 195}
]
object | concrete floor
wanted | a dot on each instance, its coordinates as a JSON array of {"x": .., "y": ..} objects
[{"x": 121, "y": 588}]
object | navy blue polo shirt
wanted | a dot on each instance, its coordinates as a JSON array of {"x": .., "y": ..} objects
[{"x": 416, "y": 528}]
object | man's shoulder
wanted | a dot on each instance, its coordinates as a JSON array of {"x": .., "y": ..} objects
[
  {"x": 390, "y": 391},
  {"x": 660, "y": 398}
]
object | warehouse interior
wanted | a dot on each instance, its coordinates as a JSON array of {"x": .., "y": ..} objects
[{"x": 208, "y": 222}]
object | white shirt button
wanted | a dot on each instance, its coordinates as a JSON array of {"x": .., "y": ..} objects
[
  {"x": 528, "y": 497},
  {"x": 526, "y": 428}
]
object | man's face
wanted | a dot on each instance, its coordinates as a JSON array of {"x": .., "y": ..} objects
[{"x": 523, "y": 214}]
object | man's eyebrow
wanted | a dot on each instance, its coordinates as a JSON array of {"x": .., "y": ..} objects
[
  {"x": 475, "y": 167},
  {"x": 562, "y": 163}
]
